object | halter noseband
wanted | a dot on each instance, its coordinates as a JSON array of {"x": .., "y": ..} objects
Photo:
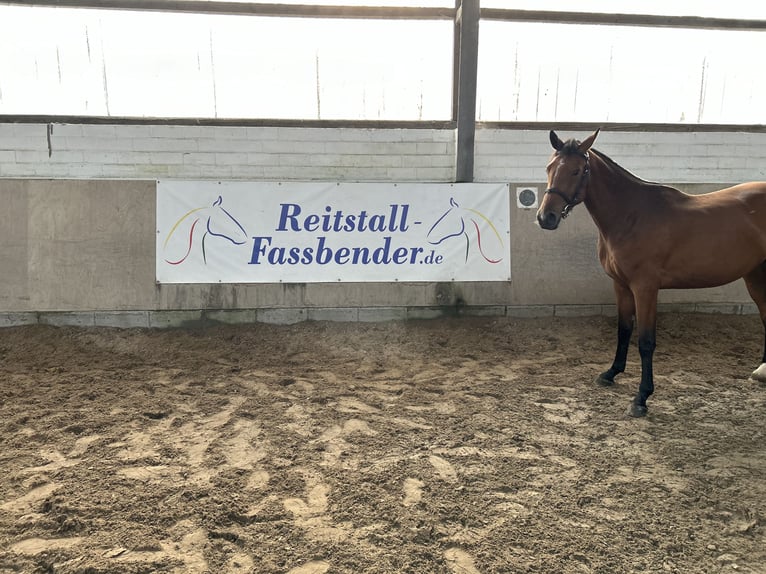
[{"x": 575, "y": 199}]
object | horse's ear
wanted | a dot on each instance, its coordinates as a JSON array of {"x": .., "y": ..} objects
[
  {"x": 587, "y": 142},
  {"x": 556, "y": 141}
]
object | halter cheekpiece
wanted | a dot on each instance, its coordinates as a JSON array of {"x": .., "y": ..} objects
[{"x": 570, "y": 202}]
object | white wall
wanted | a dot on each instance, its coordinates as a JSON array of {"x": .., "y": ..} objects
[
  {"x": 351, "y": 154},
  {"x": 78, "y": 226},
  {"x": 257, "y": 153},
  {"x": 666, "y": 157}
]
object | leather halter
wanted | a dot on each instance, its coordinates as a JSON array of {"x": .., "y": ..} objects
[{"x": 570, "y": 202}]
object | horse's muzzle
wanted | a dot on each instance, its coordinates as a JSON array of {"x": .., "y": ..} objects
[{"x": 548, "y": 219}]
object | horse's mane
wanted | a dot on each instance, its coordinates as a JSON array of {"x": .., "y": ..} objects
[
  {"x": 618, "y": 168},
  {"x": 571, "y": 147}
]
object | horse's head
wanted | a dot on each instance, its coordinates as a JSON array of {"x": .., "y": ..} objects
[
  {"x": 193, "y": 228},
  {"x": 221, "y": 223},
  {"x": 450, "y": 224},
  {"x": 568, "y": 172}
]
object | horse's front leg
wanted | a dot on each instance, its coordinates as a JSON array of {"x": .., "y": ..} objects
[
  {"x": 646, "y": 319},
  {"x": 626, "y": 308}
]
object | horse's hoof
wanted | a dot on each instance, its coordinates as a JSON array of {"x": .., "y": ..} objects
[
  {"x": 604, "y": 381},
  {"x": 759, "y": 374},
  {"x": 637, "y": 411}
]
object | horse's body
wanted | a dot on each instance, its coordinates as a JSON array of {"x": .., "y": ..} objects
[{"x": 653, "y": 237}]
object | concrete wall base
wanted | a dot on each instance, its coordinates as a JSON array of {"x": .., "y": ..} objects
[{"x": 288, "y": 316}]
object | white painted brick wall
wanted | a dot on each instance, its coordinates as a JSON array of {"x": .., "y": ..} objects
[
  {"x": 352, "y": 154},
  {"x": 203, "y": 152},
  {"x": 674, "y": 157}
]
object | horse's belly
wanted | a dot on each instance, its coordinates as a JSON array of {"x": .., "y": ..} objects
[
  {"x": 704, "y": 271},
  {"x": 697, "y": 282}
]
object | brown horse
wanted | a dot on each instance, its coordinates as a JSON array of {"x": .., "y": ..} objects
[{"x": 654, "y": 237}]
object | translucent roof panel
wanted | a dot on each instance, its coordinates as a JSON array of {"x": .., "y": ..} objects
[
  {"x": 57, "y": 61},
  {"x": 619, "y": 74}
]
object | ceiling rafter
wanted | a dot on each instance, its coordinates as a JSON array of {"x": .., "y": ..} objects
[
  {"x": 400, "y": 13},
  {"x": 252, "y": 9}
]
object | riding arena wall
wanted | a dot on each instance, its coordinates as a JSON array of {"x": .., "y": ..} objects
[{"x": 78, "y": 219}]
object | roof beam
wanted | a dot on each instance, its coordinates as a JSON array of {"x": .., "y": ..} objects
[
  {"x": 644, "y": 20},
  {"x": 398, "y": 13},
  {"x": 250, "y": 9}
]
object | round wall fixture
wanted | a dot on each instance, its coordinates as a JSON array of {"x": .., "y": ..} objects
[{"x": 526, "y": 197}]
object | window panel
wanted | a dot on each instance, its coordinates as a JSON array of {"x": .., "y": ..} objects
[
  {"x": 152, "y": 64},
  {"x": 568, "y": 73}
]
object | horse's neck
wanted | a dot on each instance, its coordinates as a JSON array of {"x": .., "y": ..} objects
[{"x": 610, "y": 197}]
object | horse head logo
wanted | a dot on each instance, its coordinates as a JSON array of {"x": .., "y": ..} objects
[
  {"x": 473, "y": 227},
  {"x": 197, "y": 225}
]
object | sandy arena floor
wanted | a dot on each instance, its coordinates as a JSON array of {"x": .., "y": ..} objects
[{"x": 456, "y": 446}]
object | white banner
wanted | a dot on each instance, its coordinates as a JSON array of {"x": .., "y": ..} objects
[{"x": 259, "y": 232}]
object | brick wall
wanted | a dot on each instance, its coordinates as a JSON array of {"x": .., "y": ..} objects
[
  {"x": 259, "y": 153},
  {"x": 668, "y": 157},
  {"x": 351, "y": 154}
]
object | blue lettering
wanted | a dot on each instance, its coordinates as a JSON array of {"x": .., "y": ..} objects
[
  {"x": 432, "y": 258},
  {"x": 291, "y": 219},
  {"x": 311, "y": 223},
  {"x": 361, "y": 226},
  {"x": 289, "y": 211},
  {"x": 400, "y": 255},
  {"x": 326, "y": 219},
  {"x": 381, "y": 255},
  {"x": 342, "y": 255},
  {"x": 350, "y": 224},
  {"x": 403, "y": 221},
  {"x": 277, "y": 256},
  {"x": 337, "y": 221},
  {"x": 378, "y": 223},
  {"x": 324, "y": 254},
  {"x": 295, "y": 255},
  {"x": 259, "y": 248},
  {"x": 361, "y": 255}
]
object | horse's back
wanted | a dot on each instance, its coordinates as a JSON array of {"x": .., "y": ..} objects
[
  {"x": 737, "y": 204},
  {"x": 753, "y": 192}
]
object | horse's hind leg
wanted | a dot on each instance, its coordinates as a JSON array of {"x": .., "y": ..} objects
[
  {"x": 756, "y": 286},
  {"x": 626, "y": 308},
  {"x": 646, "y": 321}
]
